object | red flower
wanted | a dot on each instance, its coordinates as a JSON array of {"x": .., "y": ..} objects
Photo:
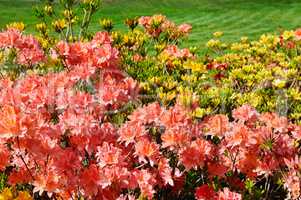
[
  {"x": 292, "y": 182},
  {"x": 174, "y": 138},
  {"x": 205, "y": 192},
  {"x": 91, "y": 179},
  {"x": 216, "y": 169},
  {"x": 129, "y": 131},
  {"x": 20, "y": 176},
  {"x": 4, "y": 157},
  {"x": 108, "y": 155},
  {"x": 49, "y": 183}
]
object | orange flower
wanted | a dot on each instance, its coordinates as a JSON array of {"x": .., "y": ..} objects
[
  {"x": 174, "y": 138},
  {"x": 196, "y": 154},
  {"x": 9, "y": 122},
  {"x": 298, "y": 34},
  {"x": 145, "y": 148},
  {"x": 217, "y": 125}
]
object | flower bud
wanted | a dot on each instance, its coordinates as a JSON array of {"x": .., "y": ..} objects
[
  {"x": 68, "y": 14},
  {"x": 106, "y": 24},
  {"x": 132, "y": 23},
  {"x": 59, "y": 25},
  {"x": 48, "y": 10},
  {"x": 42, "y": 28},
  {"x": 17, "y": 25}
]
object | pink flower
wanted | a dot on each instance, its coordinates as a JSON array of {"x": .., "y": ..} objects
[
  {"x": 108, "y": 155},
  {"x": 28, "y": 49},
  {"x": 144, "y": 21},
  {"x": 185, "y": 28},
  {"x": 165, "y": 171},
  {"x": 146, "y": 182},
  {"x": 292, "y": 182},
  {"x": 226, "y": 194},
  {"x": 245, "y": 113}
]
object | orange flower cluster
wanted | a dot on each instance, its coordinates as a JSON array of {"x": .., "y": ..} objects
[{"x": 57, "y": 132}]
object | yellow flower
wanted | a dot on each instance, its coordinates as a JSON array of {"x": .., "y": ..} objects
[
  {"x": 199, "y": 112},
  {"x": 41, "y": 27},
  {"x": 187, "y": 98},
  {"x": 213, "y": 43},
  {"x": 297, "y": 59},
  {"x": 48, "y": 10},
  {"x": 294, "y": 94},
  {"x": 157, "y": 20},
  {"x": 218, "y": 34},
  {"x": 194, "y": 66},
  {"x": 170, "y": 84},
  {"x": 166, "y": 98},
  {"x": 160, "y": 47},
  {"x": 17, "y": 25},
  {"x": 244, "y": 39},
  {"x": 106, "y": 24},
  {"x": 6, "y": 194},
  {"x": 68, "y": 14},
  {"x": 279, "y": 83},
  {"x": 23, "y": 195},
  {"x": 59, "y": 25},
  {"x": 288, "y": 35}
]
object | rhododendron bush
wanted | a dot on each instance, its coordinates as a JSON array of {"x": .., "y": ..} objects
[
  {"x": 134, "y": 115},
  {"x": 52, "y": 125},
  {"x": 63, "y": 146}
]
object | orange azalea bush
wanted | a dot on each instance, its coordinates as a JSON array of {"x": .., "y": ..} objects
[
  {"x": 58, "y": 136},
  {"x": 74, "y": 125}
]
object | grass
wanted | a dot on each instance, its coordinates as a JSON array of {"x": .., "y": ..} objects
[{"x": 235, "y": 18}]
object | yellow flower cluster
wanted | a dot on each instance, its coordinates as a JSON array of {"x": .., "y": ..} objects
[
  {"x": 264, "y": 73},
  {"x": 17, "y": 25},
  {"x": 10, "y": 194}
]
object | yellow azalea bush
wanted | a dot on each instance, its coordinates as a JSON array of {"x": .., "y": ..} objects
[{"x": 264, "y": 73}]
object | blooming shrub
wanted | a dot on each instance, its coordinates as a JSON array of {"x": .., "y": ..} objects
[
  {"x": 263, "y": 73},
  {"x": 52, "y": 125},
  {"x": 19, "y": 52},
  {"x": 75, "y": 125},
  {"x": 253, "y": 146},
  {"x": 76, "y": 152}
]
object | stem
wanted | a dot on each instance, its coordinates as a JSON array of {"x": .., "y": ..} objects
[
  {"x": 82, "y": 25},
  {"x": 67, "y": 32},
  {"x": 2, "y": 76},
  {"x": 18, "y": 142},
  {"x": 267, "y": 187},
  {"x": 86, "y": 22}
]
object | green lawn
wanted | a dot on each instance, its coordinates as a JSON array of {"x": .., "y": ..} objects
[{"x": 234, "y": 17}]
